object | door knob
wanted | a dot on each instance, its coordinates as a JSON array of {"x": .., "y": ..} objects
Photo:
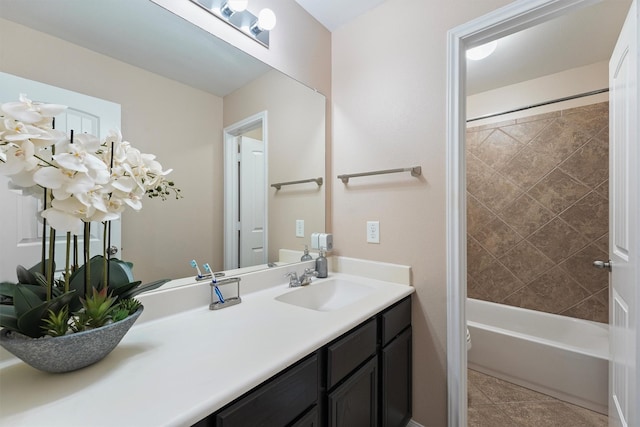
[
  {"x": 112, "y": 250},
  {"x": 606, "y": 265}
]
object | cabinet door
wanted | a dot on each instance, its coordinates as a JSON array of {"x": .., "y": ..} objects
[
  {"x": 395, "y": 362},
  {"x": 310, "y": 419},
  {"x": 278, "y": 402},
  {"x": 354, "y": 403}
]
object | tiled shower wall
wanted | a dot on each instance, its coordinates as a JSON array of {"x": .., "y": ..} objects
[{"x": 537, "y": 212}]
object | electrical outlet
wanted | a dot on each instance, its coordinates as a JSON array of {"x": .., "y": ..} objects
[
  {"x": 299, "y": 227},
  {"x": 373, "y": 231}
]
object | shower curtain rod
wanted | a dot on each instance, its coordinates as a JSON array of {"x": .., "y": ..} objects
[{"x": 540, "y": 104}]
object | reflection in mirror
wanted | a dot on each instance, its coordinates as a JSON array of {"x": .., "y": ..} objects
[{"x": 178, "y": 88}]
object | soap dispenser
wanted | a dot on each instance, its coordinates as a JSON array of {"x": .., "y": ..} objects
[
  {"x": 306, "y": 256},
  {"x": 321, "y": 265}
]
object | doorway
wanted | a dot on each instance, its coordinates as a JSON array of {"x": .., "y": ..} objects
[
  {"x": 245, "y": 192},
  {"x": 510, "y": 19}
]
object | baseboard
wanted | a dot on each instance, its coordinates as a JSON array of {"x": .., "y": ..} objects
[{"x": 412, "y": 423}]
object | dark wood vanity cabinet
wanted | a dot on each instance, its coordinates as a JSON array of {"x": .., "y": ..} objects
[{"x": 362, "y": 378}]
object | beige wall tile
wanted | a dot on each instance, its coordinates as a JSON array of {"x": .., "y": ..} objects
[
  {"x": 557, "y": 240},
  {"x": 557, "y": 191},
  {"x": 497, "y": 237},
  {"x": 589, "y": 215},
  {"x": 525, "y": 215},
  {"x": 526, "y": 262}
]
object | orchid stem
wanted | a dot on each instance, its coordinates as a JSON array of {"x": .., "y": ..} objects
[
  {"x": 105, "y": 255},
  {"x": 66, "y": 266},
  {"x": 52, "y": 251},
  {"x": 87, "y": 263}
]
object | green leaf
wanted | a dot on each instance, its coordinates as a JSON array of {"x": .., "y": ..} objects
[
  {"x": 38, "y": 267},
  {"x": 144, "y": 288},
  {"x": 24, "y": 275},
  {"x": 8, "y": 317},
  {"x": 24, "y": 300},
  {"x": 122, "y": 290},
  {"x": 120, "y": 272},
  {"x": 30, "y": 323},
  {"x": 7, "y": 289}
]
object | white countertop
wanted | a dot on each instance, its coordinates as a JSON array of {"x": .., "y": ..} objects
[{"x": 176, "y": 369}]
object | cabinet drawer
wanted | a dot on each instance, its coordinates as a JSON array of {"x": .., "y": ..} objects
[
  {"x": 278, "y": 402},
  {"x": 395, "y": 319},
  {"x": 350, "y": 351}
]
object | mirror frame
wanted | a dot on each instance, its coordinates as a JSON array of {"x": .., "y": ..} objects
[{"x": 507, "y": 20}]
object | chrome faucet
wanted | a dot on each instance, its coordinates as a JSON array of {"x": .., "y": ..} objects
[{"x": 303, "y": 280}]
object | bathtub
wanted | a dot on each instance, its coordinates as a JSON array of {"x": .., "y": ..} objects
[{"x": 560, "y": 356}]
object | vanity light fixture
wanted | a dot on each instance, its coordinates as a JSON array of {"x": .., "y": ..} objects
[
  {"x": 235, "y": 13},
  {"x": 482, "y": 51}
]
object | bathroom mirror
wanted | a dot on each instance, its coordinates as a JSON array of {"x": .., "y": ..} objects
[{"x": 179, "y": 87}]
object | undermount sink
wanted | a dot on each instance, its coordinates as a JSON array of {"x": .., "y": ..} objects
[{"x": 329, "y": 295}]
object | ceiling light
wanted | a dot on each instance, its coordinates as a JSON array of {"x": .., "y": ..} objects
[
  {"x": 266, "y": 22},
  {"x": 481, "y": 52}
]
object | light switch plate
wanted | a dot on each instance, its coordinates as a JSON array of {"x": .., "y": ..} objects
[
  {"x": 373, "y": 231},
  {"x": 299, "y": 227}
]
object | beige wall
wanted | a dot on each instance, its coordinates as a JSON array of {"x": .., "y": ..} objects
[
  {"x": 389, "y": 103},
  {"x": 296, "y": 150},
  {"x": 182, "y": 126}
]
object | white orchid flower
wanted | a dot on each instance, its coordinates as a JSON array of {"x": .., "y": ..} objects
[
  {"x": 67, "y": 215},
  {"x": 18, "y": 158},
  {"x": 64, "y": 183},
  {"x": 80, "y": 157},
  {"x": 133, "y": 199},
  {"x": 31, "y": 112},
  {"x": 89, "y": 179}
]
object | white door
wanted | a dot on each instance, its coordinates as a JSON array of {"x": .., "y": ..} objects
[
  {"x": 252, "y": 202},
  {"x": 21, "y": 229},
  {"x": 624, "y": 227}
]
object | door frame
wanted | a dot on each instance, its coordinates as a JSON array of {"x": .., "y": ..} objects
[
  {"x": 231, "y": 187},
  {"x": 514, "y": 17}
]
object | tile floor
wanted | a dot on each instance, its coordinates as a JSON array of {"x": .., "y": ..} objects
[{"x": 497, "y": 403}]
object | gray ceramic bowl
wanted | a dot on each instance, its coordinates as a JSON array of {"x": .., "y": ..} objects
[{"x": 69, "y": 352}]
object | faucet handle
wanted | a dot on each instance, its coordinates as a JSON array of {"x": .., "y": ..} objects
[
  {"x": 292, "y": 275},
  {"x": 310, "y": 272}
]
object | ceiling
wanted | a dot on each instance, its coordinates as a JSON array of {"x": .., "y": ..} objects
[
  {"x": 581, "y": 38},
  {"x": 174, "y": 48},
  {"x": 335, "y": 13}
]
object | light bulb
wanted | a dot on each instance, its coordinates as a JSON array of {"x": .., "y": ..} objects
[
  {"x": 481, "y": 52},
  {"x": 238, "y": 5},
  {"x": 232, "y": 6},
  {"x": 266, "y": 20}
]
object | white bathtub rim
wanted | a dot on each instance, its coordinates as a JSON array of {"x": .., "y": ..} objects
[
  {"x": 601, "y": 350},
  {"x": 597, "y": 353}
]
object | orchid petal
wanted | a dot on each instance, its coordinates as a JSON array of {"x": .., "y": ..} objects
[
  {"x": 50, "y": 177},
  {"x": 63, "y": 221}
]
